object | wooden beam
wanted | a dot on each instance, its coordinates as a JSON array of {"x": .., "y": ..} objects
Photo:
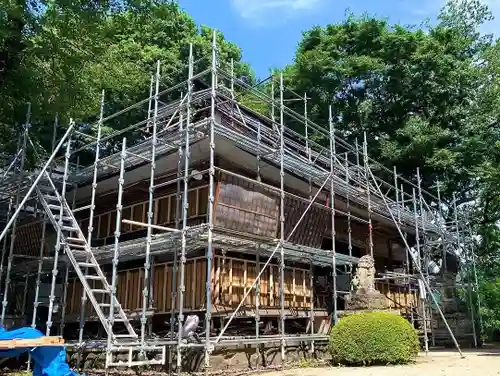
[{"x": 36, "y": 342}]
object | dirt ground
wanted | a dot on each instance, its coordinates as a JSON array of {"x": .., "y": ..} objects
[{"x": 485, "y": 362}]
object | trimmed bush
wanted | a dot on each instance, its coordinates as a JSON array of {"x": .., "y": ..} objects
[{"x": 373, "y": 338}]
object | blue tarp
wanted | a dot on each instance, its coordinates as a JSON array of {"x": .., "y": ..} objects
[{"x": 47, "y": 360}]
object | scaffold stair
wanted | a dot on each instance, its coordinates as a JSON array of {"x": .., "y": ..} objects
[{"x": 81, "y": 257}]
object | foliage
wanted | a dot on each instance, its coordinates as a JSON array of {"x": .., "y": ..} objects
[
  {"x": 68, "y": 52},
  {"x": 411, "y": 89},
  {"x": 373, "y": 338}
]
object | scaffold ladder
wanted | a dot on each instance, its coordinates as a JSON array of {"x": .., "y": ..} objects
[{"x": 80, "y": 255}]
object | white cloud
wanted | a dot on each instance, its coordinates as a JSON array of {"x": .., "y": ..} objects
[{"x": 260, "y": 10}]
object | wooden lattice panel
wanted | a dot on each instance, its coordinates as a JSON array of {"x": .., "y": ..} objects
[
  {"x": 28, "y": 239},
  {"x": 311, "y": 229},
  {"x": 246, "y": 207}
]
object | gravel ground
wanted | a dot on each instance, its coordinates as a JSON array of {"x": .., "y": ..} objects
[{"x": 437, "y": 363}]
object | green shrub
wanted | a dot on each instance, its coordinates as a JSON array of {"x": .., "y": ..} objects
[{"x": 373, "y": 338}]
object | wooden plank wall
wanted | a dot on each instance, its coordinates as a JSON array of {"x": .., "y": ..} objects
[
  {"x": 130, "y": 284},
  {"x": 233, "y": 277},
  {"x": 164, "y": 213},
  {"x": 397, "y": 297}
]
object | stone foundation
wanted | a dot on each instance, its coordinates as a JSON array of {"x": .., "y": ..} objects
[{"x": 224, "y": 359}]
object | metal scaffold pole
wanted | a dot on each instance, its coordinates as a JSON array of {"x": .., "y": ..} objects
[
  {"x": 257, "y": 289},
  {"x": 466, "y": 280},
  {"x": 13, "y": 219},
  {"x": 4, "y": 243},
  {"x": 282, "y": 223},
  {"x": 91, "y": 215},
  {"x": 178, "y": 225},
  {"x": 348, "y": 208},
  {"x": 36, "y": 303},
  {"x": 182, "y": 286},
  {"x": 19, "y": 152},
  {"x": 211, "y": 190},
  {"x": 311, "y": 267},
  {"x": 147, "y": 263},
  {"x": 368, "y": 195},
  {"x": 332, "y": 213},
  {"x": 417, "y": 239},
  {"x": 59, "y": 246},
  {"x": 476, "y": 282},
  {"x": 425, "y": 250},
  {"x": 257, "y": 306},
  {"x": 116, "y": 250}
]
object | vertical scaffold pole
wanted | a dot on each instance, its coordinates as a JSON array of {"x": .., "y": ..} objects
[
  {"x": 273, "y": 106},
  {"x": 358, "y": 167},
  {"x": 397, "y": 194},
  {"x": 66, "y": 272},
  {"x": 464, "y": 248},
  {"x": 476, "y": 282},
  {"x": 410, "y": 267},
  {"x": 90, "y": 228},
  {"x": 150, "y": 102},
  {"x": 257, "y": 287},
  {"x": 438, "y": 189},
  {"x": 348, "y": 208},
  {"x": 368, "y": 194},
  {"x": 178, "y": 224},
  {"x": 425, "y": 250},
  {"x": 147, "y": 263},
  {"x": 64, "y": 300},
  {"x": 332, "y": 212},
  {"x": 116, "y": 251},
  {"x": 9, "y": 212},
  {"x": 211, "y": 189},
  {"x": 187, "y": 152},
  {"x": 311, "y": 267},
  {"x": 417, "y": 240},
  {"x": 282, "y": 223},
  {"x": 36, "y": 303},
  {"x": 14, "y": 224},
  {"x": 59, "y": 245},
  {"x": 4, "y": 244},
  {"x": 257, "y": 307}
]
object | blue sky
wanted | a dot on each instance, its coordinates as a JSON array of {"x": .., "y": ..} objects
[{"x": 268, "y": 30}]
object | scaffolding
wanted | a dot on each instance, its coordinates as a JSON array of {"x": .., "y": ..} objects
[{"x": 206, "y": 107}]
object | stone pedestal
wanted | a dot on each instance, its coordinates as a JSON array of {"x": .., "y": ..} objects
[
  {"x": 364, "y": 296},
  {"x": 366, "y": 300}
]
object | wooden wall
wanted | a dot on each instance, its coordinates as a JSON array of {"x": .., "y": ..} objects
[
  {"x": 130, "y": 284},
  {"x": 234, "y": 277},
  {"x": 230, "y": 279},
  {"x": 397, "y": 297},
  {"x": 164, "y": 209}
]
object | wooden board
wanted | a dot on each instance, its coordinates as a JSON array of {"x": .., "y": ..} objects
[{"x": 36, "y": 342}]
